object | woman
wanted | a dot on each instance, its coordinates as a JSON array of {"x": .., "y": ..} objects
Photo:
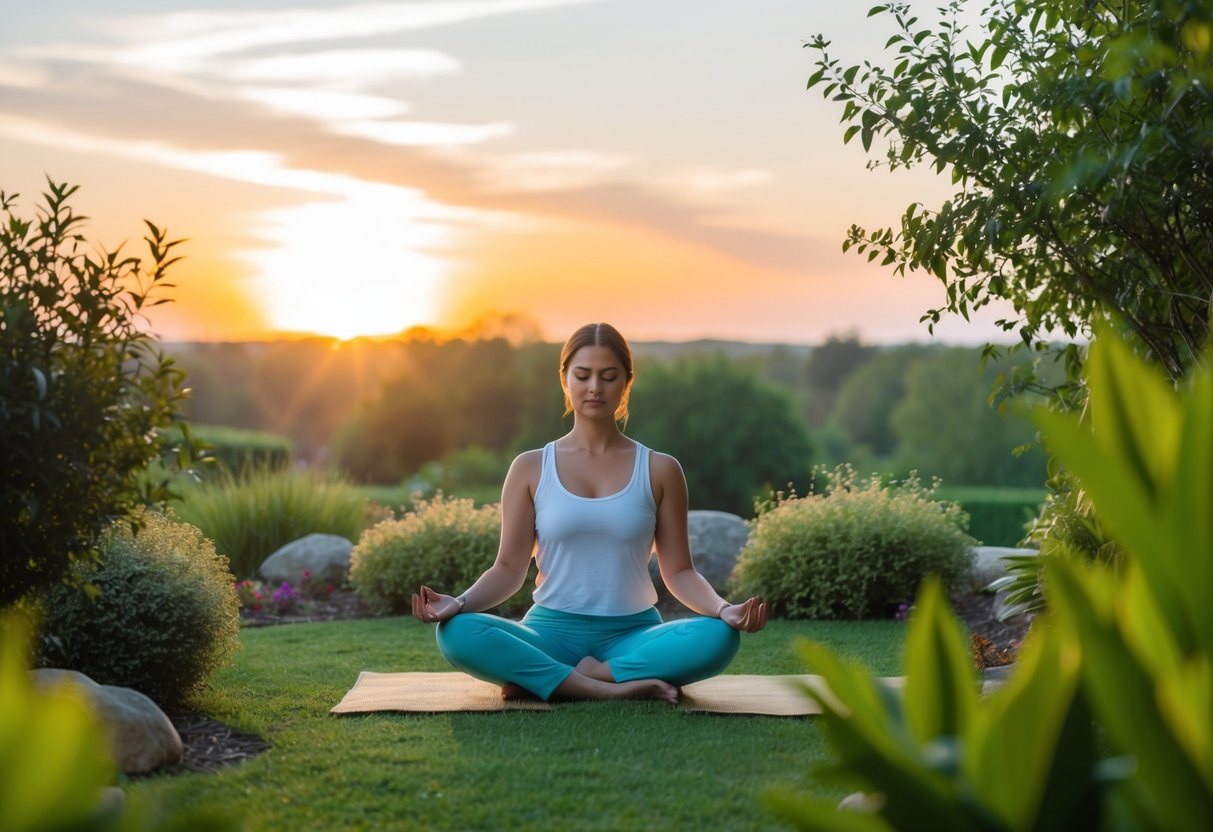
[{"x": 591, "y": 505}]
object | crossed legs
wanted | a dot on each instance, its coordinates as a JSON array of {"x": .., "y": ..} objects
[{"x": 551, "y": 654}]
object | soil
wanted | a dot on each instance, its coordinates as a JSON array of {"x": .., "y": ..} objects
[{"x": 211, "y": 745}]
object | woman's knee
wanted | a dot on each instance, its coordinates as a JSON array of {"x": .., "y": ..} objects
[{"x": 457, "y": 636}]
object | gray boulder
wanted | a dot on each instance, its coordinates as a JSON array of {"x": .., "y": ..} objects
[
  {"x": 326, "y": 556},
  {"x": 142, "y": 738},
  {"x": 717, "y": 537},
  {"x": 989, "y": 566}
]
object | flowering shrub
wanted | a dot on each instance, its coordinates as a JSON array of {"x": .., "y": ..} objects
[
  {"x": 445, "y": 543},
  {"x": 285, "y": 599},
  {"x": 857, "y": 549},
  {"x": 314, "y": 590}
]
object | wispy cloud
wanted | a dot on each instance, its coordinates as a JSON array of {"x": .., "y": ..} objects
[{"x": 344, "y": 68}]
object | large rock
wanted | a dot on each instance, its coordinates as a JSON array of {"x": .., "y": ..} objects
[
  {"x": 326, "y": 556},
  {"x": 717, "y": 537},
  {"x": 989, "y": 566},
  {"x": 142, "y": 738}
]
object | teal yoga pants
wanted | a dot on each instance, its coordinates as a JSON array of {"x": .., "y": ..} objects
[{"x": 540, "y": 652}]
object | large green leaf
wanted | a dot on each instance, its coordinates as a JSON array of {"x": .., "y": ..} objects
[
  {"x": 1124, "y": 697},
  {"x": 941, "y": 682}
]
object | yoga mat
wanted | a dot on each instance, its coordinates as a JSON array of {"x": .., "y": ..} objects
[{"x": 453, "y": 691}]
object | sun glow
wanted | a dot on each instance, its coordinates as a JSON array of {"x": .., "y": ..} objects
[{"x": 363, "y": 264}]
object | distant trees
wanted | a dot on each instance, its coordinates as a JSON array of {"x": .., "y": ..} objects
[{"x": 734, "y": 434}]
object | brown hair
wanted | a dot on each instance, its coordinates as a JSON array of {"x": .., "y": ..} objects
[{"x": 598, "y": 335}]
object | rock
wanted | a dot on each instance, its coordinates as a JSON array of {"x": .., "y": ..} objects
[
  {"x": 142, "y": 738},
  {"x": 1000, "y": 606},
  {"x": 326, "y": 556},
  {"x": 989, "y": 566},
  {"x": 717, "y": 537},
  {"x": 992, "y": 678}
]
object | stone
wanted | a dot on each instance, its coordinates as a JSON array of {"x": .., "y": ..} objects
[
  {"x": 142, "y": 738},
  {"x": 717, "y": 537},
  {"x": 989, "y": 566},
  {"x": 326, "y": 556},
  {"x": 992, "y": 678}
]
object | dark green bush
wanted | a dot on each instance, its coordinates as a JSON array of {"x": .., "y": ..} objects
[
  {"x": 858, "y": 549},
  {"x": 81, "y": 389},
  {"x": 997, "y": 516},
  {"x": 164, "y": 615},
  {"x": 445, "y": 543}
]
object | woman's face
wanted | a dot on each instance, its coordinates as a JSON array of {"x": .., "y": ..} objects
[{"x": 595, "y": 382}]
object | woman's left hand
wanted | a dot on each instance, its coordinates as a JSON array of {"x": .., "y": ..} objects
[{"x": 748, "y": 617}]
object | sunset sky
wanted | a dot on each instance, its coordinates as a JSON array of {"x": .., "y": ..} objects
[{"x": 354, "y": 168}]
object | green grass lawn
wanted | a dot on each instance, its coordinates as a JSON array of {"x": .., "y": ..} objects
[{"x": 589, "y": 765}]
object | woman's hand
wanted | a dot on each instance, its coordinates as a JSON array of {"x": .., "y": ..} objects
[
  {"x": 430, "y": 607},
  {"x": 748, "y": 617}
]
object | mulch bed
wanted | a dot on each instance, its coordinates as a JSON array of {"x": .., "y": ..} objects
[{"x": 210, "y": 745}]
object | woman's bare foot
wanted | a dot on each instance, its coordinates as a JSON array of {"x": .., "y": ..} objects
[
  {"x": 511, "y": 692},
  {"x": 580, "y": 686}
]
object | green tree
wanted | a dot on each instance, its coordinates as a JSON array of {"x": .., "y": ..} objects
[
  {"x": 734, "y": 434},
  {"x": 866, "y": 400},
  {"x": 1079, "y": 136},
  {"x": 82, "y": 389},
  {"x": 946, "y": 427},
  {"x": 828, "y": 367}
]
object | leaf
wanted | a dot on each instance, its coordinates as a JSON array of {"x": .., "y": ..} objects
[{"x": 941, "y": 684}]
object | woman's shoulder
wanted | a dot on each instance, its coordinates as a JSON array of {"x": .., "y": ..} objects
[
  {"x": 528, "y": 460},
  {"x": 664, "y": 465}
]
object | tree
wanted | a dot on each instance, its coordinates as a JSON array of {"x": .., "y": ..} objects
[
  {"x": 734, "y": 434},
  {"x": 830, "y": 364},
  {"x": 867, "y": 398},
  {"x": 1079, "y": 135},
  {"x": 82, "y": 389},
  {"x": 946, "y": 428}
]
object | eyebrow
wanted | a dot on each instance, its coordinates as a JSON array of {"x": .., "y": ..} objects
[{"x": 604, "y": 369}]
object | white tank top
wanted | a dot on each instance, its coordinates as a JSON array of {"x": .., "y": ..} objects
[{"x": 593, "y": 552}]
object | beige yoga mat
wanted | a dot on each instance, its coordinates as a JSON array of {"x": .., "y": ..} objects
[{"x": 454, "y": 691}]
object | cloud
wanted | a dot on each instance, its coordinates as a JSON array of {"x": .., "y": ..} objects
[
  {"x": 699, "y": 183},
  {"x": 547, "y": 170},
  {"x": 184, "y": 41},
  {"x": 422, "y": 132},
  {"x": 325, "y": 105},
  {"x": 343, "y": 69}
]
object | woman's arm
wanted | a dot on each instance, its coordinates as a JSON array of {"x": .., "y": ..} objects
[
  {"x": 674, "y": 553},
  {"x": 508, "y": 572}
]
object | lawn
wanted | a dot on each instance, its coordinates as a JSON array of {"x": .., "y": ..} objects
[{"x": 591, "y": 765}]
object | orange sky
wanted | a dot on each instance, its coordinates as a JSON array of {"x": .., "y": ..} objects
[{"x": 360, "y": 168}]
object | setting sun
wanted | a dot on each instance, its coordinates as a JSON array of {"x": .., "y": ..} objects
[{"x": 360, "y": 264}]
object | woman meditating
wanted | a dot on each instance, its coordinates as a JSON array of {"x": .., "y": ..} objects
[{"x": 590, "y": 506}]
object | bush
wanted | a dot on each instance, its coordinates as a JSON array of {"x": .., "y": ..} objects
[
  {"x": 81, "y": 390},
  {"x": 858, "y": 549},
  {"x": 251, "y": 515},
  {"x": 163, "y": 617},
  {"x": 445, "y": 543}
]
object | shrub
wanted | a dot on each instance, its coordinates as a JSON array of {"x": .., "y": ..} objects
[
  {"x": 163, "y": 617},
  {"x": 252, "y": 514},
  {"x": 445, "y": 543},
  {"x": 81, "y": 389},
  {"x": 857, "y": 549}
]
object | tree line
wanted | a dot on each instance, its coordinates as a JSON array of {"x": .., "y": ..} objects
[{"x": 743, "y": 419}]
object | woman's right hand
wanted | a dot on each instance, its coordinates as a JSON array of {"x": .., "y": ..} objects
[{"x": 430, "y": 607}]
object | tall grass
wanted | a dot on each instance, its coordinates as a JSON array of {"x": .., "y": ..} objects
[{"x": 251, "y": 514}]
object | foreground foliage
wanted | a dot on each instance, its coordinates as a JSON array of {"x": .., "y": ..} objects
[
  {"x": 156, "y": 614},
  {"x": 1126, "y": 659},
  {"x": 82, "y": 388},
  {"x": 859, "y": 548}
]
